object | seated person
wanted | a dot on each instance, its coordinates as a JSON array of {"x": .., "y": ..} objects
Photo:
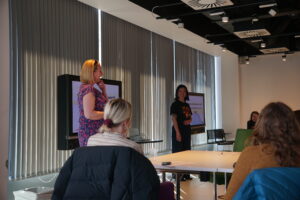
[
  {"x": 275, "y": 143},
  {"x": 117, "y": 121},
  {"x": 253, "y": 118},
  {"x": 114, "y": 167},
  {"x": 106, "y": 173}
]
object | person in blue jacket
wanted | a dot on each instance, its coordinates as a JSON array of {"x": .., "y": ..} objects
[{"x": 275, "y": 143}]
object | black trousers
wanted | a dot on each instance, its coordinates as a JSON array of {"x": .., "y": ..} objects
[{"x": 185, "y": 143}]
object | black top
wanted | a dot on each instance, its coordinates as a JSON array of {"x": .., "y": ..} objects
[
  {"x": 106, "y": 173},
  {"x": 182, "y": 110},
  {"x": 250, "y": 124}
]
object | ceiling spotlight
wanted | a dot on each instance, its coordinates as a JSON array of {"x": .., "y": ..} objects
[
  {"x": 216, "y": 13},
  {"x": 284, "y": 57},
  {"x": 272, "y": 12},
  {"x": 180, "y": 25},
  {"x": 257, "y": 40},
  {"x": 263, "y": 45},
  {"x": 174, "y": 20},
  {"x": 225, "y": 19},
  {"x": 247, "y": 61},
  {"x": 267, "y": 5},
  {"x": 255, "y": 19}
]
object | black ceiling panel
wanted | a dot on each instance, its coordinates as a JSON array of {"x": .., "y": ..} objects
[{"x": 273, "y": 22}]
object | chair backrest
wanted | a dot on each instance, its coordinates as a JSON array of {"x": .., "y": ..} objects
[
  {"x": 271, "y": 183},
  {"x": 215, "y": 135},
  {"x": 241, "y": 139},
  {"x": 107, "y": 172}
]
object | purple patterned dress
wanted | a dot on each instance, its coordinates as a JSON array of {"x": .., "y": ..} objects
[{"x": 88, "y": 127}]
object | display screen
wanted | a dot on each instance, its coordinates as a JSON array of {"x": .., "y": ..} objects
[{"x": 196, "y": 103}]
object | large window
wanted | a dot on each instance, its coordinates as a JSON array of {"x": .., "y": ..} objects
[
  {"x": 49, "y": 38},
  {"x": 150, "y": 67}
]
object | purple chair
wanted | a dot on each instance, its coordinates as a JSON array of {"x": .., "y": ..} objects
[{"x": 166, "y": 191}]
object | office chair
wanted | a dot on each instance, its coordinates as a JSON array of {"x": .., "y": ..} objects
[
  {"x": 217, "y": 136},
  {"x": 107, "y": 173},
  {"x": 271, "y": 183},
  {"x": 241, "y": 139}
]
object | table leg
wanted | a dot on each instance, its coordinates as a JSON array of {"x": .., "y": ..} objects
[
  {"x": 225, "y": 177},
  {"x": 164, "y": 177},
  {"x": 178, "y": 176},
  {"x": 215, "y": 185}
]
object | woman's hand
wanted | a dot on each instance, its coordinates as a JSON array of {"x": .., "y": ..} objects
[
  {"x": 178, "y": 137},
  {"x": 102, "y": 85}
]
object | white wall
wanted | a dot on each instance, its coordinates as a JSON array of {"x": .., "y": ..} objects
[
  {"x": 267, "y": 79},
  {"x": 4, "y": 91},
  {"x": 230, "y": 88}
]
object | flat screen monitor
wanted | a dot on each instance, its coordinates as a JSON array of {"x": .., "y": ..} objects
[
  {"x": 196, "y": 102},
  {"x": 68, "y": 107}
]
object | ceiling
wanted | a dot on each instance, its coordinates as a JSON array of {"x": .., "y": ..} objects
[{"x": 253, "y": 27}]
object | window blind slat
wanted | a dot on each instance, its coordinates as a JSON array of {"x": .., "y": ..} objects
[{"x": 47, "y": 41}]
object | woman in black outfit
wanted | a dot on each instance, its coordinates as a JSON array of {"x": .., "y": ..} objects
[
  {"x": 181, "y": 117},
  {"x": 253, "y": 119}
]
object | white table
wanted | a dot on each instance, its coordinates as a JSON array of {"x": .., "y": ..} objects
[{"x": 195, "y": 162}]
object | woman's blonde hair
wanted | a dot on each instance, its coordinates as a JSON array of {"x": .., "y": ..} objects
[
  {"x": 87, "y": 71},
  {"x": 116, "y": 111}
]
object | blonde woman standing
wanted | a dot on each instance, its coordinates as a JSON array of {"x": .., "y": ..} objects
[{"x": 92, "y": 98}]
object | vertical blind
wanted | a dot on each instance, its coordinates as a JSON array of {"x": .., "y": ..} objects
[
  {"x": 48, "y": 38},
  {"x": 54, "y": 37},
  {"x": 151, "y": 86},
  {"x": 162, "y": 91},
  {"x": 196, "y": 70}
]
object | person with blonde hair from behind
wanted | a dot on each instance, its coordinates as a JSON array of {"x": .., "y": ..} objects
[
  {"x": 91, "y": 99},
  {"x": 117, "y": 121},
  {"x": 275, "y": 143}
]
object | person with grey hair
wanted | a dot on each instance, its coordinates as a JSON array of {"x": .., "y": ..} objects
[{"x": 117, "y": 121}]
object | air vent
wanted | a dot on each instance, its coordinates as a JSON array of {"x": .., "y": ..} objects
[
  {"x": 274, "y": 50},
  {"x": 249, "y": 30},
  {"x": 206, "y": 4},
  {"x": 252, "y": 33}
]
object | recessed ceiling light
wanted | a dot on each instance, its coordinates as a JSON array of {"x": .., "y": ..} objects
[
  {"x": 263, "y": 45},
  {"x": 225, "y": 19},
  {"x": 180, "y": 25},
  {"x": 247, "y": 60},
  {"x": 267, "y": 5},
  {"x": 284, "y": 57}
]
